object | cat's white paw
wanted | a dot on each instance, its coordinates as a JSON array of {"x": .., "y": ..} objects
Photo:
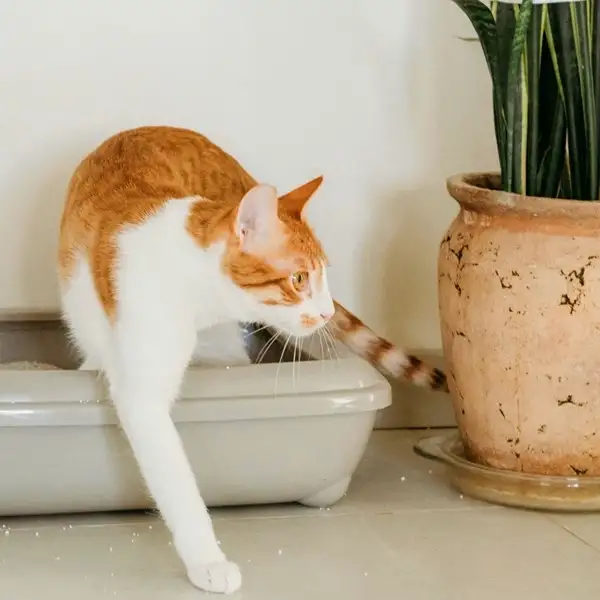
[{"x": 221, "y": 577}]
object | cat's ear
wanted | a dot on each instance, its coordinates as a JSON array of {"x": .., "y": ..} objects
[
  {"x": 295, "y": 201},
  {"x": 257, "y": 219}
]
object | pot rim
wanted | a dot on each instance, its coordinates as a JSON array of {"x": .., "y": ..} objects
[{"x": 475, "y": 192}]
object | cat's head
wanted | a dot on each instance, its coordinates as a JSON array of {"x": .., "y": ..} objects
[{"x": 278, "y": 263}]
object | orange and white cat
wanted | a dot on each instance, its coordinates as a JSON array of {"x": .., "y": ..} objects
[{"x": 164, "y": 240}]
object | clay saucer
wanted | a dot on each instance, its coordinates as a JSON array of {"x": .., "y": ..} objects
[{"x": 510, "y": 488}]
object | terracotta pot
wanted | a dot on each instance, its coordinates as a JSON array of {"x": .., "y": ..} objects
[{"x": 519, "y": 284}]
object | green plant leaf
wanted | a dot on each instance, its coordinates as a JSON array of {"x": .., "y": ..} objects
[
  {"x": 544, "y": 62},
  {"x": 517, "y": 101},
  {"x": 565, "y": 47},
  {"x": 534, "y": 65},
  {"x": 583, "y": 44},
  {"x": 551, "y": 170},
  {"x": 594, "y": 16},
  {"x": 505, "y": 31},
  {"x": 552, "y": 124},
  {"x": 482, "y": 20},
  {"x": 521, "y": 99}
]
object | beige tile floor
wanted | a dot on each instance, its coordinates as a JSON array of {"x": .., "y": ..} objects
[{"x": 401, "y": 533}]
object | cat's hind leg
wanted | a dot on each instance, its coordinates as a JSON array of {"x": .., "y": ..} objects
[
  {"x": 87, "y": 323},
  {"x": 152, "y": 347}
]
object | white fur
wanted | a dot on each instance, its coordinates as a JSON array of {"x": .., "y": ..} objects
[
  {"x": 360, "y": 340},
  {"x": 394, "y": 361},
  {"x": 168, "y": 291}
]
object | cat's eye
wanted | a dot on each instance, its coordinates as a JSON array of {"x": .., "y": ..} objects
[{"x": 300, "y": 280}]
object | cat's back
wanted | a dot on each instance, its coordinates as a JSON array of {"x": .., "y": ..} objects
[
  {"x": 157, "y": 162},
  {"x": 130, "y": 177}
]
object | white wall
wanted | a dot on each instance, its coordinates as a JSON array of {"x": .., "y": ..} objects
[{"x": 378, "y": 95}]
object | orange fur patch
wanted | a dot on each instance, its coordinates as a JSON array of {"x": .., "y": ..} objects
[
  {"x": 381, "y": 353},
  {"x": 294, "y": 249},
  {"x": 129, "y": 178},
  {"x": 308, "y": 321}
]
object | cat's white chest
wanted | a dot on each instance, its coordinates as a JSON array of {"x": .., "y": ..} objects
[{"x": 159, "y": 261}]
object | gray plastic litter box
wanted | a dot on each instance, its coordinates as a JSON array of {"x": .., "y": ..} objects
[{"x": 257, "y": 434}]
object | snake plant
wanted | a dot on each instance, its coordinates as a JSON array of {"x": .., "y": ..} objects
[{"x": 544, "y": 61}]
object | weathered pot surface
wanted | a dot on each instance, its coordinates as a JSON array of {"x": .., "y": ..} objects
[{"x": 519, "y": 285}]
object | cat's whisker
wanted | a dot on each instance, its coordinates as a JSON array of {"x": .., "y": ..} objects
[
  {"x": 287, "y": 341},
  {"x": 334, "y": 330},
  {"x": 300, "y": 355},
  {"x": 326, "y": 339},
  {"x": 297, "y": 359},
  {"x": 322, "y": 349},
  {"x": 310, "y": 346},
  {"x": 255, "y": 331},
  {"x": 333, "y": 344},
  {"x": 294, "y": 363},
  {"x": 333, "y": 327},
  {"x": 335, "y": 348},
  {"x": 266, "y": 347}
]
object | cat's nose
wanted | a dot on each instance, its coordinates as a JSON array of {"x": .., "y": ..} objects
[{"x": 326, "y": 316}]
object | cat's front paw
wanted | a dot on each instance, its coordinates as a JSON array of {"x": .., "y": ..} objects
[{"x": 221, "y": 577}]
